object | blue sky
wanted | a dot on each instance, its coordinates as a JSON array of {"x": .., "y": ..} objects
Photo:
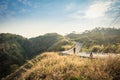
[{"x": 36, "y": 17}]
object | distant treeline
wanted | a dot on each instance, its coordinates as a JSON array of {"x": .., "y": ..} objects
[{"x": 102, "y": 40}]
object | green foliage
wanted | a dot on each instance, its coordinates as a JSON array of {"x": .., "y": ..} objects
[
  {"x": 48, "y": 42},
  {"x": 58, "y": 46},
  {"x": 109, "y": 38},
  {"x": 12, "y": 51},
  {"x": 73, "y": 35},
  {"x": 96, "y": 48},
  {"x": 13, "y": 67}
]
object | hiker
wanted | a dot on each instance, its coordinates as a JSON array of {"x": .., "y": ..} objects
[
  {"x": 74, "y": 50},
  {"x": 91, "y": 55}
]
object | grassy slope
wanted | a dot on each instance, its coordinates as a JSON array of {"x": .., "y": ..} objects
[{"x": 57, "y": 67}]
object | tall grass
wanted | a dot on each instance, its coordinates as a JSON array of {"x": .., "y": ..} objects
[{"x": 53, "y": 66}]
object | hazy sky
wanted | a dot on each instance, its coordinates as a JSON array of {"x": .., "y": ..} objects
[{"x": 36, "y": 17}]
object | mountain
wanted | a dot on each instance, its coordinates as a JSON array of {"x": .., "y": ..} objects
[
  {"x": 15, "y": 50},
  {"x": 99, "y": 40}
]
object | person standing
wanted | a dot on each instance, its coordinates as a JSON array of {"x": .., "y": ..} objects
[
  {"x": 74, "y": 50},
  {"x": 91, "y": 55}
]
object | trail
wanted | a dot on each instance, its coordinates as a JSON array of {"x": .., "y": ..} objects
[{"x": 78, "y": 47}]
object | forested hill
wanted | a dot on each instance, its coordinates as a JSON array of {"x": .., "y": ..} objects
[
  {"x": 99, "y": 40},
  {"x": 42, "y": 43},
  {"x": 15, "y": 49},
  {"x": 49, "y": 42}
]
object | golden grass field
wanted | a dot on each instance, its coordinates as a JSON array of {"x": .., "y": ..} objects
[{"x": 52, "y": 66}]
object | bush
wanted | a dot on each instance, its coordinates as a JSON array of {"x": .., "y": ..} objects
[{"x": 96, "y": 48}]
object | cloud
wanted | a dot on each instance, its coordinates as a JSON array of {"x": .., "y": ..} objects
[
  {"x": 95, "y": 10},
  {"x": 5, "y": 12},
  {"x": 98, "y": 9},
  {"x": 77, "y": 15},
  {"x": 25, "y": 2},
  {"x": 115, "y": 8},
  {"x": 94, "y": 15},
  {"x": 3, "y": 5},
  {"x": 70, "y": 6}
]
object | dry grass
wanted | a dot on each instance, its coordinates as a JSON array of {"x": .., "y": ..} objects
[
  {"x": 52, "y": 66},
  {"x": 67, "y": 47}
]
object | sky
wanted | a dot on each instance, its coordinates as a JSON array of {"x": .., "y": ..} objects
[{"x": 31, "y": 18}]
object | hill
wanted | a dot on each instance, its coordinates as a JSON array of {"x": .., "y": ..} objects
[
  {"x": 15, "y": 50},
  {"x": 52, "y": 66},
  {"x": 49, "y": 42},
  {"x": 105, "y": 40}
]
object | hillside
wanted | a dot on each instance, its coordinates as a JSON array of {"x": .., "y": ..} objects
[
  {"x": 52, "y": 66},
  {"x": 15, "y": 49},
  {"x": 105, "y": 40},
  {"x": 49, "y": 42}
]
